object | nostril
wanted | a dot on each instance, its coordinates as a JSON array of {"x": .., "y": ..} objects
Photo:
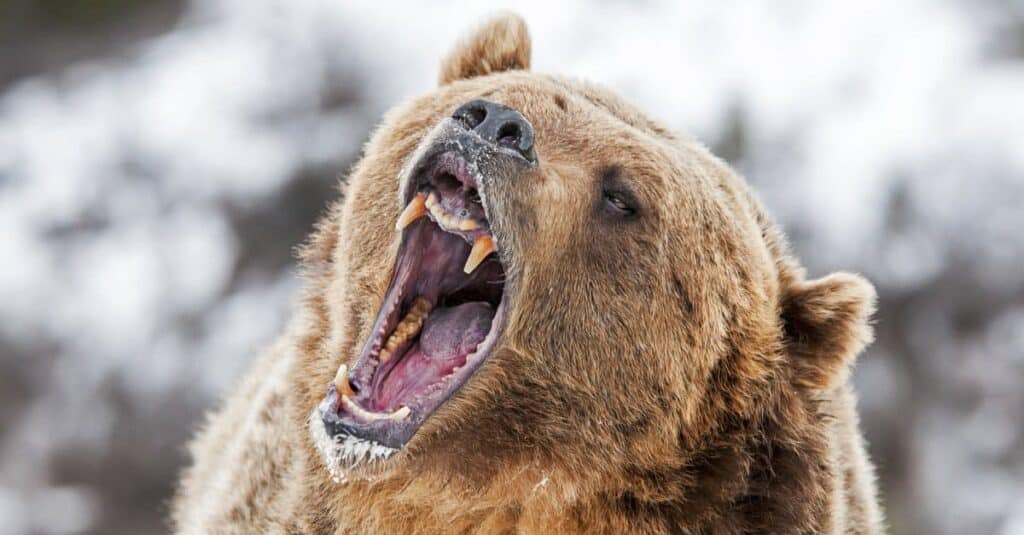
[
  {"x": 471, "y": 116},
  {"x": 446, "y": 182},
  {"x": 509, "y": 134},
  {"x": 497, "y": 125}
]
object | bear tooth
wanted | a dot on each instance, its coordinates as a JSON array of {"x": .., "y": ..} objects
[
  {"x": 353, "y": 407},
  {"x": 341, "y": 381},
  {"x": 421, "y": 306},
  {"x": 482, "y": 246},
  {"x": 443, "y": 218},
  {"x": 413, "y": 211},
  {"x": 435, "y": 210},
  {"x": 406, "y": 328}
]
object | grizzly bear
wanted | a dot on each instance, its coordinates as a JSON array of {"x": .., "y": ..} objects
[{"x": 535, "y": 310}]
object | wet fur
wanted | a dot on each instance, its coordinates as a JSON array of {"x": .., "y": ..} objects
[{"x": 676, "y": 373}]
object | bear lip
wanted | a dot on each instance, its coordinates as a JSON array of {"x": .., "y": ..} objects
[{"x": 440, "y": 318}]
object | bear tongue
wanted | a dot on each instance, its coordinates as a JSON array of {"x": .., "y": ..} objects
[
  {"x": 455, "y": 331},
  {"x": 449, "y": 335}
]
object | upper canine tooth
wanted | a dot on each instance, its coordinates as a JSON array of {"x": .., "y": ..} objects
[
  {"x": 483, "y": 245},
  {"x": 413, "y": 211},
  {"x": 341, "y": 381}
]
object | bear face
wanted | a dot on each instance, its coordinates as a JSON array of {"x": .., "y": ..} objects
[{"x": 569, "y": 285}]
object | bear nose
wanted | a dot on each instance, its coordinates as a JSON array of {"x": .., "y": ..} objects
[{"x": 498, "y": 124}]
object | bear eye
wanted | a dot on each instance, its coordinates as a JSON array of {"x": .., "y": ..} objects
[{"x": 619, "y": 203}]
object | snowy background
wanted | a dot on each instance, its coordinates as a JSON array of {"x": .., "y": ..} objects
[{"x": 159, "y": 160}]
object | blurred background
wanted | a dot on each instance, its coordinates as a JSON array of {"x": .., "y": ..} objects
[{"x": 159, "y": 160}]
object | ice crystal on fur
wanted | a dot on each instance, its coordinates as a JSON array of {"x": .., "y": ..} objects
[{"x": 341, "y": 452}]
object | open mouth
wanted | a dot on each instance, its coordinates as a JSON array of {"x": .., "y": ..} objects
[{"x": 440, "y": 317}]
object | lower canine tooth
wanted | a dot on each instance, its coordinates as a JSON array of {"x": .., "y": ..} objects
[
  {"x": 482, "y": 246},
  {"x": 401, "y": 413},
  {"x": 341, "y": 381}
]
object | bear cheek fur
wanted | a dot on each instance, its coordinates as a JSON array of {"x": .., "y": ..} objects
[
  {"x": 577, "y": 370},
  {"x": 580, "y": 371}
]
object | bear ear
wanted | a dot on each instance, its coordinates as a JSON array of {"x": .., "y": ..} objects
[
  {"x": 501, "y": 44},
  {"x": 826, "y": 324}
]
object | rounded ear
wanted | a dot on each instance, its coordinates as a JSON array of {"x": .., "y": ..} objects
[
  {"x": 826, "y": 324},
  {"x": 501, "y": 44}
]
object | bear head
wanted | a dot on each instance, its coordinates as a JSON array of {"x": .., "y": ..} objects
[{"x": 526, "y": 272}]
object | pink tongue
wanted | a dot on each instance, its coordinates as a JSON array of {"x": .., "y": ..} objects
[
  {"x": 449, "y": 335},
  {"x": 455, "y": 331}
]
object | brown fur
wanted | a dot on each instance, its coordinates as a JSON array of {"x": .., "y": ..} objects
[
  {"x": 502, "y": 45},
  {"x": 672, "y": 374}
]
